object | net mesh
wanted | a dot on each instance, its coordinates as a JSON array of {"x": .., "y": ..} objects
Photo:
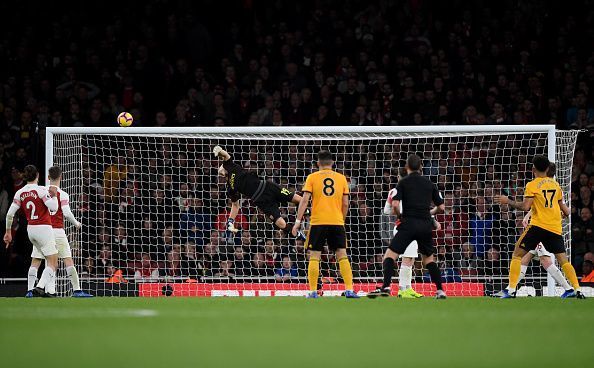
[{"x": 153, "y": 209}]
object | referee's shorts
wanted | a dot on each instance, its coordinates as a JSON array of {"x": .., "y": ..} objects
[{"x": 411, "y": 229}]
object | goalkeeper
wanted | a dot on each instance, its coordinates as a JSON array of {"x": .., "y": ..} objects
[{"x": 267, "y": 196}]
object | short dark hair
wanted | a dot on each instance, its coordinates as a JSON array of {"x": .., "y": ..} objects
[
  {"x": 413, "y": 162},
  {"x": 325, "y": 156},
  {"x": 541, "y": 163},
  {"x": 30, "y": 173},
  {"x": 54, "y": 172},
  {"x": 552, "y": 170}
]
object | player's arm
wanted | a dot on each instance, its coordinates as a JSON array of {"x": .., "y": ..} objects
[
  {"x": 50, "y": 198},
  {"x": 396, "y": 198},
  {"x": 12, "y": 210},
  {"x": 303, "y": 204},
  {"x": 526, "y": 219},
  {"x": 235, "y": 207},
  {"x": 220, "y": 152},
  {"x": 437, "y": 199},
  {"x": 68, "y": 212},
  {"x": 564, "y": 208},
  {"x": 522, "y": 206},
  {"x": 345, "y": 206}
]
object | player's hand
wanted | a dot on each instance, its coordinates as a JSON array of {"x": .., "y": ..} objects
[
  {"x": 230, "y": 226},
  {"x": 53, "y": 190},
  {"x": 436, "y": 224},
  {"x": 295, "y": 229},
  {"x": 7, "y": 238},
  {"x": 501, "y": 199},
  {"x": 525, "y": 221},
  {"x": 216, "y": 150},
  {"x": 78, "y": 225}
]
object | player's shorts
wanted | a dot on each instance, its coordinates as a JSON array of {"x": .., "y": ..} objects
[
  {"x": 61, "y": 244},
  {"x": 534, "y": 235},
  {"x": 541, "y": 251},
  {"x": 42, "y": 237},
  {"x": 410, "y": 230},
  {"x": 270, "y": 198},
  {"x": 412, "y": 251},
  {"x": 320, "y": 235}
]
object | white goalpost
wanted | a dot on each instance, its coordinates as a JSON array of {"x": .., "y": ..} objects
[{"x": 152, "y": 205}]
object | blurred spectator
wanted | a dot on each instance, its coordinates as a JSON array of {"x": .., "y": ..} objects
[
  {"x": 195, "y": 222},
  {"x": 286, "y": 272},
  {"x": 146, "y": 270},
  {"x": 259, "y": 267},
  {"x": 191, "y": 265},
  {"x": 481, "y": 226},
  {"x": 587, "y": 272}
]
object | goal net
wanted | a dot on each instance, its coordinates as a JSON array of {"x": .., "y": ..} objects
[{"x": 153, "y": 208}]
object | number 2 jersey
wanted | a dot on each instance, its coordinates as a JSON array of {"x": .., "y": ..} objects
[
  {"x": 36, "y": 203},
  {"x": 546, "y": 213},
  {"x": 327, "y": 187}
]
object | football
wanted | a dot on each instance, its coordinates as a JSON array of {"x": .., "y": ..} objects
[{"x": 125, "y": 119}]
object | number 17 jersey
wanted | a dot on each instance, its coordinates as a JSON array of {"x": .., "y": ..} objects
[
  {"x": 546, "y": 213},
  {"x": 327, "y": 188}
]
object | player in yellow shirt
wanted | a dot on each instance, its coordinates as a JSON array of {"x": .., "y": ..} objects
[
  {"x": 329, "y": 192},
  {"x": 544, "y": 197}
]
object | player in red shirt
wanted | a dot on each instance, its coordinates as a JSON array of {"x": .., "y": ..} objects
[
  {"x": 37, "y": 202},
  {"x": 64, "y": 252}
]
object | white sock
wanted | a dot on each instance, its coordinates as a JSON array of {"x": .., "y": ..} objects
[
  {"x": 405, "y": 277},
  {"x": 31, "y": 278},
  {"x": 523, "y": 270},
  {"x": 48, "y": 280},
  {"x": 71, "y": 271},
  {"x": 558, "y": 276}
]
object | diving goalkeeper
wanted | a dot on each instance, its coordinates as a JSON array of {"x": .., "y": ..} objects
[{"x": 267, "y": 196}]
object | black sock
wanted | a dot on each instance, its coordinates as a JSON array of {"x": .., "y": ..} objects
[
  {"x": 435, "y": 274},
  {"x": 388, "y": 272}
]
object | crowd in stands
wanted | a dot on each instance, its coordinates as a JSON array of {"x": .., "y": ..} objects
[{"x": 280, "y": 64}]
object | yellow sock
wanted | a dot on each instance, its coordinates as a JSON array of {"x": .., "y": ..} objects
[
  {"x": 515, "y": 268},
  {"x": 313, "y": 273},
  {"x": 347, "y": 272},
  {"x": 569, "y": 272}
]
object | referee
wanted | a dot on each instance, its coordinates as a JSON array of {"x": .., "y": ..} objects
[{"x": 415, "y": 192}]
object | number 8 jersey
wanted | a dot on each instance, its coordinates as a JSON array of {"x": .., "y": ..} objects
[
  {"x": 32, "y": 198},
  {"x": 546, "y": 213},
  {"x": 327, "y": 187}
]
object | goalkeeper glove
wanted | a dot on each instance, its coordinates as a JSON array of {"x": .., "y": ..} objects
[
  {"x": 230, "y": 226},
  {"x": 216, "y": 150},
  {"x": 388, "y": 204}
]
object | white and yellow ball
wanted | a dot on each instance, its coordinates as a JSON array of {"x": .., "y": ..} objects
[{"x": 125, "y": 119}]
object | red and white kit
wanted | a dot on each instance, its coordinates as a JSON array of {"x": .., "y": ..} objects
[
  {"x": 412, "y": 251},
  {"x": 57, "y": 220},
  {"x": 37, "y": 203}
]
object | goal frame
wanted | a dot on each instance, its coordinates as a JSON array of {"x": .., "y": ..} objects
[{"x": 549, "y": 129}]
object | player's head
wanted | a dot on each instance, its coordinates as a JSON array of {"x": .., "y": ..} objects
[
  {"x": 540, "y": 164},
  {"x": 30, "y": 174},
  {"x": 54, "y": 173},
  {"x": 552, "y": 170},
  {"x": 222, "y": 171},
  {"x": 402, "y": 173},
  {"x": 413, "y": 163},
  {"x": 325, "y": 159}
]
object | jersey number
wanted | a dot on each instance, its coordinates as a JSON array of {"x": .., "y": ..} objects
[
  {"x": 328, "y": 187},
  {"x": 549, "y": 202},
  {"x": 31, "y": 205}
]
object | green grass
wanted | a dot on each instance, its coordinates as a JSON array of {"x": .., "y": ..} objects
[{"x": 295, "y": 332}]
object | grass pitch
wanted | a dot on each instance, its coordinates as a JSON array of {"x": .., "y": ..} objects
[{"x": 295, "y": 332}]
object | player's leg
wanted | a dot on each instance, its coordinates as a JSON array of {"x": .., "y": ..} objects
[
  {"x": 554, "y": 243},
  {"x": 73, "y": 275},
  {"x": 405, "y": 274},
  {"x": 397, "y": 246},
  {"x": 314, "y": 243},
  {"x": 43, "y": 239},
  {"x": 33, "y": 271},
  {"x": 526, "y": 242},
  {"x": 337, "y": 241},
  {"x": 424, "y": 235},
  {"x": 549, "y": 265}
]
